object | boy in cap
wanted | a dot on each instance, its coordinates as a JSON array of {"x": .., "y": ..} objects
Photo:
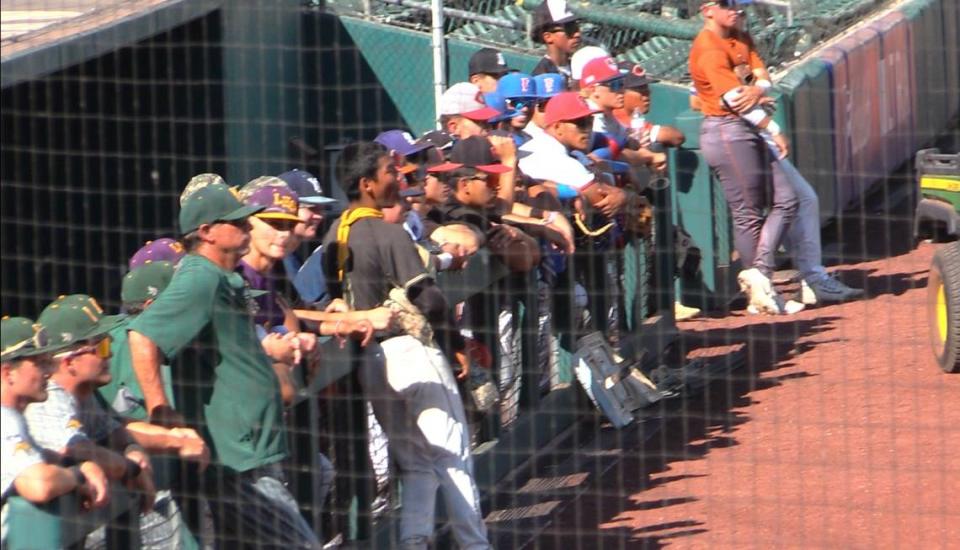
[
  {"x": 636, "y": 106},
  {"x": 555, "y": 26},
  {"x": 306, "y": 276},
  {"x": 369, "y": 261},
  {"x": 520, "y": 92},
  {"x": 568, "y": 123},
  {"x": 486, "y": 66},
  {"x": 26, "y": 470},
  {"x": 223, "y": 381},
  {"x": 463, "y": 112},
  {"x": 602, "y": 85}
]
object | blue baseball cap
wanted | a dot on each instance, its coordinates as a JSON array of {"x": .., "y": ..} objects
[
  {"x": 517, "y": 86},
  {"x": 306, "y": 186},
  {"x": 550, "y": 84},
  {"x": 498, "y": 102}
]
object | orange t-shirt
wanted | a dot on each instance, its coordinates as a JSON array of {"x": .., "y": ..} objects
[{"x": 712, "y": 59}]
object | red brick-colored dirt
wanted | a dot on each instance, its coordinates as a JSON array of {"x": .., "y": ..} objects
[{"x": 840, "y": 432}]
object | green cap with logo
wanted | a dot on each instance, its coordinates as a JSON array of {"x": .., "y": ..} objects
[
  {"x": 21, "y": 337},
  {"x": 214, "y": 203},
  {"x": 146, "y": 282},
  {"x": 76, "y": 318}
]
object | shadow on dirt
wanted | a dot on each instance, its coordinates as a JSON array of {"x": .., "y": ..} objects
[{"x": 691, "y": 426}]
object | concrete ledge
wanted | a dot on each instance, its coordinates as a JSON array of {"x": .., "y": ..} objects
[{"x": 84, "y": 37}]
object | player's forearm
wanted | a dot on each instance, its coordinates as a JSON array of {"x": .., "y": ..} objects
[
  {"x": 43, "y": 482},
  {"x": 146, "y": 365},
  {"x": 154, "y": 439},
  {"x": 113, "y": 464}
]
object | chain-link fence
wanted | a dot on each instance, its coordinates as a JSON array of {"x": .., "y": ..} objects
[{"x": 585, "y": 374}]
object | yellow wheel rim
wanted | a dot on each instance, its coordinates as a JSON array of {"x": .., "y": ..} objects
[{"x": 942, "y": 314}]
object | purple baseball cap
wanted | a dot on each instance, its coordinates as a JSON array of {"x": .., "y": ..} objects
[
  {"x": 160, "y": 250},
  {"x": 279, "y": 202},
  {"x": 401, "y": 142}
]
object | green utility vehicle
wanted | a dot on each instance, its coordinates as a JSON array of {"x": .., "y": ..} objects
[{"x": 938, "y": 217}]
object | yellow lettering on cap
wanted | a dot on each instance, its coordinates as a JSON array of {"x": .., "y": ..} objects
[
  {"x": 93, "y": 316},
  {"x": 236, "y": 193},
  {"x": 285, "y": 202}
]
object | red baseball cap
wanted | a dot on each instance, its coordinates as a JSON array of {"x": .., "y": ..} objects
[
  {"x": 566, "y": 106},
  {"x": 599, "y": 71}
]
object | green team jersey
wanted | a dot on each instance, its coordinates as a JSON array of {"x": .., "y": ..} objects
[
  {"x": 123, "y": 393},
  {"x": 223, "y": 381}
]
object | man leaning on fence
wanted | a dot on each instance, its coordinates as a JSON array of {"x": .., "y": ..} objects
[
  {"x": 224, "y": 383},
  {"x": 28, "y": 471},
  {"x": 407, "y": 379}
]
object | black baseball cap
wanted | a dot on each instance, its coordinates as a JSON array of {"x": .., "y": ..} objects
[
  {"x": 634, "y": 76},
  {"x": 488, "y": 61},
  {"x": 307, "y": 187},
  {"x": 548, "y": 14},
  {"x": 473, "y": 152}
]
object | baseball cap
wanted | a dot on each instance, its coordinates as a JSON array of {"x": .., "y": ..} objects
[
  {"x": 440, "y": 140},
  {"x": 566, "y": 106},
  {"x": 487, "y": 61},
  {"x": 550, "y": 12},
  {"x": 473, "y": 152},
  {"x": 160, "y": 250},
  {"x": 306, "y": 186},
  {"x": 600, "y": 71},
  {"x": 401, "y": 142},
  {"x": 634, "y": 76},
  {"x": 464, "y": 99},
  {"x": 75, "y": 318},
  {"x": 145, "y": 282},
  {"x": 21, "y": 337},
  {"x": 517, "y": 86},
  {"x": 498, "y": 102},
  {"x": 550, "y": 84},
  {"x": 213, "y": 203},
  {"x": 199, "y": 182},
  {"x": 581, "y": 57},
  {"x": 274, "y": 196}
]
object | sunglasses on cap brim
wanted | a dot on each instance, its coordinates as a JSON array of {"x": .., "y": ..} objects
[
  {"x": 582, "y": 123},
  {"x": 615, "y": 85},
  {"x": 37, "y": 341}
]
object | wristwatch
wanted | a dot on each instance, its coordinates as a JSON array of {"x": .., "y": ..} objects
[{"x": 78, "y": 475}]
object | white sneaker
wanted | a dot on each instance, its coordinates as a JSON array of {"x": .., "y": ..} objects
[
  {"x": 827, "y": 289},
  {"x": 759, "y": 290}
]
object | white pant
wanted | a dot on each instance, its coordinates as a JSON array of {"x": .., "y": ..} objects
[{"x": 415, "y": 398}]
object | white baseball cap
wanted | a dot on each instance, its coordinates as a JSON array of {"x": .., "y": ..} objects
[
  {"x": 466, "y": 100},
  {"x": 583, "y": 56}
]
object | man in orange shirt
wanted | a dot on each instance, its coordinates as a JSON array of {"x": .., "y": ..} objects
[{"x": 723, "y": 59}]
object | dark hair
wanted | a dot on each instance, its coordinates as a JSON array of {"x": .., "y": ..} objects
[
  {"x": 191, "y": 241},
  {"x": 357, "y": 161}
]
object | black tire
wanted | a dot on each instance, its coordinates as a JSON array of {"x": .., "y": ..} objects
[{"x": 943, "y": 306}]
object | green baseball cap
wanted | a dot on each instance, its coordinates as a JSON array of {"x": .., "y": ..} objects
[
  {"x": 146, "y": 282},
  {"x": 214, "y": 203},
  {"x": 197, "y": 183},
  {"x": 21, "y": 337},
  {"x": 76, "y": 318}
]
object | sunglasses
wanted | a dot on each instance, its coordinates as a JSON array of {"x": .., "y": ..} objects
[
  {"x": 570, "y": 28},
  {"x": 242, "y": 223},
  {"x": 37, "y": 341},
  {"x": 614, "y": 85},
  {"x": 101, "y": 349},
  {"x": 583, "y": 123},
  {"x": 520, "y": 104},
  {"x": 490, "y": 180},
  {"x": 280, "y": 225}
]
